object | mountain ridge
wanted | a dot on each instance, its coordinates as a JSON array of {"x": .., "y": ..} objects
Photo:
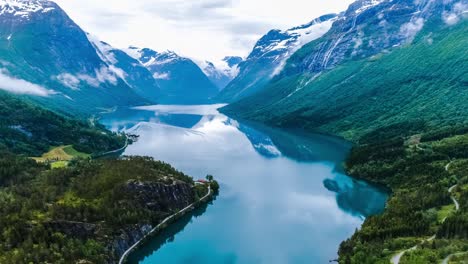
[{"x": 269, "y": 55}]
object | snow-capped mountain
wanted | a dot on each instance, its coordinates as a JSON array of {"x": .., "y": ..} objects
[
  {"x": 370, "y": 27},
  {"x": 129, "y": 69},
  {"x": 270, "y": 54},
  {"x": 223, "y": 72},
  {"x": 42, "y": 47},
  {"x": 180, "y": 79},
  {"x": 25, "y": 8},
  {"x": 383, "y": 62}
]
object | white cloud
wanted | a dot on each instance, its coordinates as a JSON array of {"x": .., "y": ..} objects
[
  {"x": 412, "y": 28},
  {"x": 102, "y": 75},
  {"x": 19, "y": 86},
  {"x": 69, "y": 80},
  {"x": 202, "y": 29},
  {"x": 459, "y": 11},
  {"x": 161, "y": 76}
]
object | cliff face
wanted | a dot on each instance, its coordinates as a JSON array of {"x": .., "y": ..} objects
[
  {"x": 154, "y": 196},
  {"x": 160, "y": 198},
  {"x": 157, "y": 196}
]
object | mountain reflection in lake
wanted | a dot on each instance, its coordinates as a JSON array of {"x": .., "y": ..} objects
[{"x": 283, "y": 197}]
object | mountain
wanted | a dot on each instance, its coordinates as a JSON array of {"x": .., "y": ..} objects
[
  {"x": 269, "y": 56},
  {"x": 130, "y": 70},
  {"x": 367, "y": 28},
  {"x": 180, "y": 79},
  {"x": 409, "y": 68},
  {"x": 223, "y": 73},
  {"x": 43, "y": 49}
]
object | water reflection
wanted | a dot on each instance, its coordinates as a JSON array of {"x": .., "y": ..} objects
[{"x": 283, "y": 198}]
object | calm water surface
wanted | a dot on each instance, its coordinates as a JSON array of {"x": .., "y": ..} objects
[{"x": 283, "y": 197}]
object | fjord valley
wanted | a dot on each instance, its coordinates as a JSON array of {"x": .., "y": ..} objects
[
  {"x": 343, "y": 139},
  {"x": 400, "y": 93}
]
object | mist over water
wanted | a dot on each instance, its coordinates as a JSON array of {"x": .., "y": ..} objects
[{"x": 283, "y": 197}]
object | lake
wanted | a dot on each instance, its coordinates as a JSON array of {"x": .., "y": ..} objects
[{"x": 283, "y": 198}]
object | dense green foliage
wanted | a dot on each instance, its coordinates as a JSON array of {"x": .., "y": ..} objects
[
  {"x": 71, "y": 214},
  {"x": 30, "y": 130},
  {"x": 420, "y": 175},
  {"x": 75, "y": 212},
  {"x": 424, "y": 83}
]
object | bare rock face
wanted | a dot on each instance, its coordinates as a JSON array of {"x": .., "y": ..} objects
[
  {"x": 155, "y": 196},
  {"x": 159, "y": 196},
  {"x": 127, "y": 238}
]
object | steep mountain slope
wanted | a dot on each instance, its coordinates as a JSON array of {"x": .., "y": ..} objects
[
  {"x": 367, "y": 28},
  {"x": 424, "y": 80},
  {"x": 269, "y": 56},
  {"x": 39, "y": 43},
  {"x": 180, "y": 79},
  {"x": 222, "y": 74},
  {"x": 135, "y": 75}
]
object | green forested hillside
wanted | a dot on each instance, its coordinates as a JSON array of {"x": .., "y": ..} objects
[
  {"x": 75, "y": 214},
  {"x": 31, "y": 130},
  {"x": 425, "y": 82},
  {"x": 86, "y": 211},
  {"x": 425, "y": 172}
]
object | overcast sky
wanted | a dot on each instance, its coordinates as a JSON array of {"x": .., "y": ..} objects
[{"x": 200, "y": 29}]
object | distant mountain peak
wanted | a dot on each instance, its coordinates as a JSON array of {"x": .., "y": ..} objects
[
  {"x": 221, "y": 72},
  {"x": 181, "y": 80},
  {"x": 24, "y": 8}
]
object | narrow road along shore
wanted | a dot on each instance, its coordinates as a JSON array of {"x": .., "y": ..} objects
[{"x": 189, "y": 207}]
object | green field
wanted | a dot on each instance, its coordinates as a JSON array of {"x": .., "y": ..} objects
[{"x": 59, "y": 157}]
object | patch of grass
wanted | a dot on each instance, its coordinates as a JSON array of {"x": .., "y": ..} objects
[
  {"x": 74, "y": 153},
  {"x": 444, "y": 212},
  {"x": 59, "y": 164},
  {"x": 60, "y": 155}
]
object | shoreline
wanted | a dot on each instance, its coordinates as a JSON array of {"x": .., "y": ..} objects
[{"x": 174, "y": 217}]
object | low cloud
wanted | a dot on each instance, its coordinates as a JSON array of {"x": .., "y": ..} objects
[
  {"x": 161, "y": 76},
  {"x": 458, "y": 12},
  {"x": 18, "y": 86},
  {"x": 412, "y": 28},
  {"x": 102, "y": 75},
  {"x": 69, "y": 80}
]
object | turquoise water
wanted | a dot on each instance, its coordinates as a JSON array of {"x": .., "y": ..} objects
[{"x": 283, "y": 197}]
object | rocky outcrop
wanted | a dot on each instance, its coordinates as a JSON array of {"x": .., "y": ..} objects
[
  {"x": 127, "y": 238},
  {"x": 157, "y": 196}
]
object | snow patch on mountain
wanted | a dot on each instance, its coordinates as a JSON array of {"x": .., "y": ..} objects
[
  {"x": 299, "y": 37},
  {"x": 103, "y": 49},
  {"x": 221, "y": 72},
  {"x": 109, "y": 73},
  {"x": 24, "y": 8},
  {"x": 368, "y": 5}
]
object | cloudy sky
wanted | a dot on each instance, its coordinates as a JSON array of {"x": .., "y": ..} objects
[{"x": 200, "y": 29}]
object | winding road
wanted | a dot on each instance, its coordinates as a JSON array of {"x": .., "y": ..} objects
[
  {"x": 189, "y": 207},
  {"x": 396, "y": 258}
]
